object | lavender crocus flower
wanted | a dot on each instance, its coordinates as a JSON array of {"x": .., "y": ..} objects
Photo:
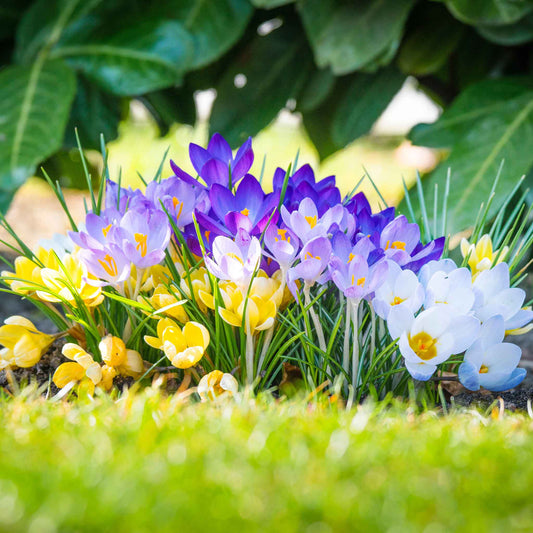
[
  {"x": 283, "y": 245},
  {"x": 314, "y": 258},
  {"x": 109, "y": 264},
  {"x": 215, "y": 164}
]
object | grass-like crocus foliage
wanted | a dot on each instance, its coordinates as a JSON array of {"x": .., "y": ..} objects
[{"x": 212, "y": 273}]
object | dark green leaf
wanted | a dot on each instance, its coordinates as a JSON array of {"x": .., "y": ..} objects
[
  {"x": 10, "y": 13},
  {"x": 427, "y": 47},
  {"x": 151, "y": 55},
  {"x": 34, "y": 106},
  {"x": 349, "y": 36},
  {"x": 240, "y": 112},
  {"x": 490, "y": 122},
  {"x": 317, "y": 88},
  {"x": 93, "y": 113},
  {"x": 489, "y": 12},
  {"x": 215, "y": 25},
  {"x": 269, "y": 4},
  {"x": 510, "y": 35},
  {"x": 365, "y": 99},
  {"x": 171, "y": 106}
]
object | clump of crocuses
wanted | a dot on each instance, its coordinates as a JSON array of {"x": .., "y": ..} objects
[{"x": 213, "y": 280}]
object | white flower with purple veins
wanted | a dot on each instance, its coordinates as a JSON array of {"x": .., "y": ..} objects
[
  {"x": 306, "y": 223},
  {"x": 431, "y": 338},
  {"x": 490, "y": 362},
  {"x": 494, "y": 296},
  {"x": 400, "y": 289},
  {"x": 452, "y": 288},
  {"x": 235, "y": 260}
]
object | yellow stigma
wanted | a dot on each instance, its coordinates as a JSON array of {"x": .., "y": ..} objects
[
  {"x": 360, "y": 281},
  {"x": 351, "y": 258},
  {"x": 109, "y": 265},
  {"x": 236, "y": 257},
  {"x": 484, "y": 369},
  {"x": 397, "y": 300},
  {"x": 105, "y": 231},
  {"x": 142, "y": 246},
  {"x": 245, "y": 212},
  {"x": 396, "y": 245},
  {"x": 176, "y": 203},
  {"x": 283, "y": 235},
  {"x": 312, "y": 221},
  {"x": 309, "y": 255},
  {"x": 423, "y": 345}
]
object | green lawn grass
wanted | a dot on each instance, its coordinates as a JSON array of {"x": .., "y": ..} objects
[{"x": 148, "y": 463}]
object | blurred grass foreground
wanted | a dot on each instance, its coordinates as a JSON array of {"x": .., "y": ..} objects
[{"x": 147, "y": 462}]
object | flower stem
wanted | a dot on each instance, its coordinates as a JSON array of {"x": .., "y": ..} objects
[
  {"x": 346, "y": 346},
  {"x": 355, "y": 345},
  {"x": 249, "y": 354},
  {"x": 266, "y": 345},
  {"x": 315, "y": 319}
]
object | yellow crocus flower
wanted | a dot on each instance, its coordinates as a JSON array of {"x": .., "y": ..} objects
[
  {"x": 116, "y": 355},
  {"x": 184, "y": 347},
  {"x": 162, "y": 298},
  {"x": 480, "y": 255},
  {"x": 23, "y": 344},
  {"x": 198, "y": 279},
  {"x": 215, "y": 384},
  {"x": 83, "y": 369}
]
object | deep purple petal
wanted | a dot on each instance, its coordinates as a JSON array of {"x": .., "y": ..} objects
[{"x": 218, "y": 147}]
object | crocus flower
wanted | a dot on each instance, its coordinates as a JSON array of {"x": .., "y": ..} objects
[
  {"x": 194, "y": 282},
  {"x": 490, "y": 362},
  {"x": 480, "y": 255},
  {"x": 314, "y": 258},
  {"x": 83, "y": 369},
  {"x": 70, "y": 282},
  {"x": 215, "y": 164},
  {"x": 166, "y": 302},
  {"x": 283, "y": 245},
  {"x": 23, "y": 343},
  {"x": 235, "y": 260},
  {"x": 116, "y": 355},
  {"x": 109, "y": 265},
  {"x": 494, "y": 296},
  {"x": 306, "y": 223},
  {"x": 431, "y": 338},
  {"x": 216, "y": 384},
  {"x": 184, "y": 347},
  {"x": 453, "y": 288},
  {"x": 401, "y": 288}
]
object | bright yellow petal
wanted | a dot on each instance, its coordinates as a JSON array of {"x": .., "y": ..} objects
[
  {"x": 72, "y": 350},
  {"x": 113, "y": 350},
  {"x": 187, "y": 358},
  {"x": 230, "y": 317},
  {"x": 154, "y": 342},
  {"x": 196, "y": 334},
  {"x": 17, "y": 320},
  {"x": 67, "y": 372}
]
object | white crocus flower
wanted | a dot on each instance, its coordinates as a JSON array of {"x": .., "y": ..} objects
[
  {"x": 401, "y": 289},
  {"x": 452, "y": 288},
  {"x": 494, "y": 296},
  {"x": 432, "y": 337},
  {"x": 427, "y": 271},
  {"x": 491, "y": 363}
]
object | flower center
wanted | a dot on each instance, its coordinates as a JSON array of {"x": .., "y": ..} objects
[
  {"x": 484, "y": 369},
  {"x": 282, "y": 233},
  {"x": 176, "y": 203},
  {"x": 423, "y": 345},
  {"x": 312, "y": 221},
  {"x": 109, "y": 265},
  {"x": 105, "y": 231},
  {"x": 142, "y": 246},
  {"x": 396, "y": 245},
  {"x": 360, "y": 281},
  {"x": 245, "y": 212},
  {"x": 236, "y": 257},
  {"x": 309, "y": 255},
  {"x": 397, "y": 300}
]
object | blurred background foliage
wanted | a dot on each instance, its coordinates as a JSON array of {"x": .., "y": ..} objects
[{"x": 337, "y": 63}]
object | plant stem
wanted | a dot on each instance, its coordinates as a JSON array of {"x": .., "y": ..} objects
[
  {"x": 346, "y": 346},
  {"x": 315, "y": 319},
  {"x": 249, "y": 353},
  {"x": 266, "y": 345},
  {"x": 355, "y": 345}
]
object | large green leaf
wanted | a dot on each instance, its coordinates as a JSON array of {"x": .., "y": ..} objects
[
  {"x": 34, "y": 106},
  {"x": 432, "y": 35},
  {"x": 215, "y": 25},
  {"x": 490, "y": 122},
  {"x": 150, "y": 55},
  {"x": 365, "y": 99},
  {"x": 348, "y": 36},
  {"x": 510, "y": 35},
  {"x": 490, "y": 12},
  {"x": 240, "y": 112},
  {"x": 93, "y": 113}
]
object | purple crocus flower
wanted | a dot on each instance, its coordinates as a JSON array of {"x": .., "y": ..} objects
[
  {"x": 143, "y": 237},
  {"x": 283, "y": 245},
  {"x": 109, "y": 264},
  {"x": 307, "y": 224},
  {"x": 97, "y": 228},
  {"x": 121, "y": 199},
  {"x": 215, "y": 164},
  {"x": 178, "y": 197},
  {"x": 302, "y": 184},
  {"x": 314, "y": 258}
]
